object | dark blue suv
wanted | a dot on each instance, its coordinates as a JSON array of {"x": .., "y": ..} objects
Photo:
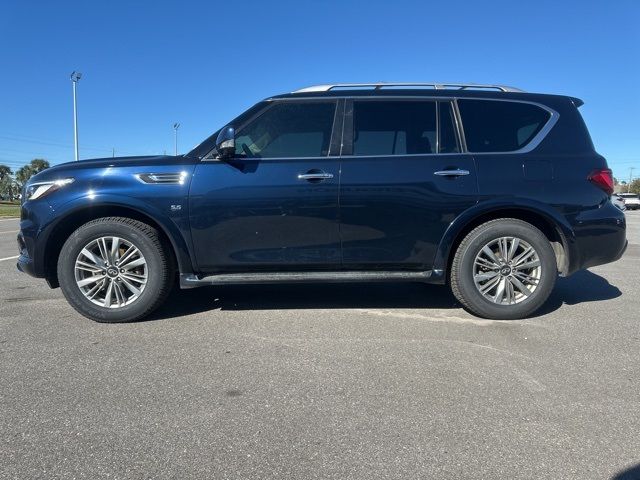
[{"x": 490, "y": 189}]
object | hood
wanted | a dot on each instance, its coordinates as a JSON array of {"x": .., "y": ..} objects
[{"x": 68, "y": 168}]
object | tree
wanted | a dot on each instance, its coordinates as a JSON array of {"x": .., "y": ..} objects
[
  {"x": 26, "y": 172},
  {"x": 8, "y": 187},
  {"x": 39, "y": 164},
  {"x": 6, "y": 182},
  {"x": 634, "y": 187},
  {"x": 5, "y": 172}
]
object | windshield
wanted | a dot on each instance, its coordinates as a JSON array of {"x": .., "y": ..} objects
[{"x": 209, "y": 143}]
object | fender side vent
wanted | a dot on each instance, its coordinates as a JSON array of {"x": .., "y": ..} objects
[{"x": 173, "y": 178}]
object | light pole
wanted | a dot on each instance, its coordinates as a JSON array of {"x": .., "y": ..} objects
[
  {"x": 175, "y": 136},
  {"x": 631, "y": 169},
  {"x": 75, "y": 78}
]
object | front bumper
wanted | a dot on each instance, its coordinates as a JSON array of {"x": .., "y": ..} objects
[{"x": 25, "y": 263}]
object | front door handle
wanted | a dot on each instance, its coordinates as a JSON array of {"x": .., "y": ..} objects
[
  {"x": 315, "y": 175},
  {"x": 454, "y": 172}
]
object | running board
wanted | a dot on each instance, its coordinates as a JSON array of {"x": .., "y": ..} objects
[{"x": 191, "y": 280}]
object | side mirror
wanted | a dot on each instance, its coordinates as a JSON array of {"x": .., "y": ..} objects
[{"x": 226, "y": 142}]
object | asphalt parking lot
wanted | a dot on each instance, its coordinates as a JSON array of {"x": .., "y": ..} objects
[{"x": 329, "y": 381}]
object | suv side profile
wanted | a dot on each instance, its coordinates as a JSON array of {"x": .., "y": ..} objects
[{"x": 490, "y": 189}]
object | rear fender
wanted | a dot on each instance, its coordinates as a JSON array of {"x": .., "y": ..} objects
[{"x": 491, "y": 209}]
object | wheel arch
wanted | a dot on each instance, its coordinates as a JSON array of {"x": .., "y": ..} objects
[
  {"x": 552, "y": 225},
  {"x": 75, "y": 218}
]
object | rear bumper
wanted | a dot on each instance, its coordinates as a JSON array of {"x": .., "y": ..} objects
[{"x": 600, "y": 237}]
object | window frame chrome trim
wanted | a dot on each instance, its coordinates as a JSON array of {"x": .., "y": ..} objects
[
  {"x": 554, "y": 116},
  {"x": 533, "y": 143}
]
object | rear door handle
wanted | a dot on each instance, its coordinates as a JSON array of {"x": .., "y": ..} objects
[
  {"x": 456, "y": 172},
  {"x": 311, "y": 176}
]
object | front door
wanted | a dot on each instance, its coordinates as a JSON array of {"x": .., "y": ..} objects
[
  {"x": 275, "y": 205},
  {"x": 404, "y": 180}
]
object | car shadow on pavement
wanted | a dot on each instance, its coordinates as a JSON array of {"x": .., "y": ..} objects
[
  {"x": 306, "y": 297},
  {"x": 584, "y": 286},
  {"x": 632, "y": 473}
]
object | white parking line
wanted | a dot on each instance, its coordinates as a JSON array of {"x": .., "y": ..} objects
[
  {"x": 8, "y": 219},
  {"x": 9, "y": 258},
  {"x": 10, "y": 231}
]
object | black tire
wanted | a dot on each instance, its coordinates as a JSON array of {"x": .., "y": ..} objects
[
  {"x": 159, "y": 266},
  {"x": 462, "y": 269}
]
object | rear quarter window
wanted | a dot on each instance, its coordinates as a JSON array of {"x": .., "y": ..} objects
[{"x": 499, "y": 126}]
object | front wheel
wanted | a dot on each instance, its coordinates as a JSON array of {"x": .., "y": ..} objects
[
  {"x": 504, "y": 269},
  {"x": 115, "y": 269}
]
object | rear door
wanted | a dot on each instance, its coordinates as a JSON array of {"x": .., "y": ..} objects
[
  {"x": 275, "y": 205},
  {"x": 404, "y": 180}
]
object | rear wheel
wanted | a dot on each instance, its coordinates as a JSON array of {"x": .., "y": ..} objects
[
  {"x": 114, "y": 269},
  {"x": 504, "y": 269}
]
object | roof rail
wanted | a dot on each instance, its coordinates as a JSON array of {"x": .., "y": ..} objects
[{"x": 435, "y": 86}]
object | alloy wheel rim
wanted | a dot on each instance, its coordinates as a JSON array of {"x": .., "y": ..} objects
[
  {"x": 111, "y": 272},
  {"x": 507, "y": 270}
]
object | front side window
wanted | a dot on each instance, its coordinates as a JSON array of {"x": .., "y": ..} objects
[
  {"x": 496, "y": 126},
  {"x": 394, "y": 127},
  {"x": 288, "y": 129}
]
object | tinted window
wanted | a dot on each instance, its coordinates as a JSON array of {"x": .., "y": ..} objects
[
  {"x": 394, "y": 127},
  {"x": 494, "y": 126},
  {"x": 448, "y": 140},
  {"x": 288, "y": 130}
]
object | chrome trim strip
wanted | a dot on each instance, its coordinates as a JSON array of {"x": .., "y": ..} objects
[
  {"x": 191, "y": 280},
  {"x": 535, "y": 141}
]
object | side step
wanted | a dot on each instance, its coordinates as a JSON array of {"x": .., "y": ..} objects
[{"x": 190, "y": 280}]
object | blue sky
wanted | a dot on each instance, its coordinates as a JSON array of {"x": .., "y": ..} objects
[{"x": 149, "y": 64}]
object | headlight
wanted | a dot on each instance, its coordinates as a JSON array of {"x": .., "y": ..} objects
[{"x": 40, "y": 189}]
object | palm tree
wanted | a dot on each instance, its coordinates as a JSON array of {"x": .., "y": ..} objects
[
  {"x": 6, "y": 182},
  {"x": 38, "y": 164},
  {"x": 26, "y": 172},
  {"x": 4, "y": 171}
]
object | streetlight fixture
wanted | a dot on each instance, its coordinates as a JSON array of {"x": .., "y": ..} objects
[
  {"x": 75, "y": 78},
  {"x": 175, "y": 131}
]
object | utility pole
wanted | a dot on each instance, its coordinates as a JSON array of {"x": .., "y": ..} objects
[
  {"x": 631, "y": 169},
  {"x": 113, "y": 152},
  {"x": 175, "y": 131},
  {"x": 75, "y": 78}
]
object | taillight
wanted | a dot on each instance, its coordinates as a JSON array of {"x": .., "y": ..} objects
[{"x": 603, "y": 178}]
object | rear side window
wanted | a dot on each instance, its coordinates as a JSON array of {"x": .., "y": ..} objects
[
  {"x": 288, "y": 130},
  {"x": 448, "y": 140},
  {"x": 495, "y": 126},
  {"x": 394, "y": 127}
]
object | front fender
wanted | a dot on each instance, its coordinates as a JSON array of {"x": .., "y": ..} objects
[
  {"x": 510, "y": 206},
  {"x": 175, "y": 225}
]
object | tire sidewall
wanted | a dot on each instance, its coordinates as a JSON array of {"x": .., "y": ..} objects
[
  {"x": 66, "y": 271},
  {"x": 533, "y": 237}
]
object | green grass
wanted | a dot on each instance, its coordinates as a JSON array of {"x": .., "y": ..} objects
[{"x": 9, "y": 209}]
